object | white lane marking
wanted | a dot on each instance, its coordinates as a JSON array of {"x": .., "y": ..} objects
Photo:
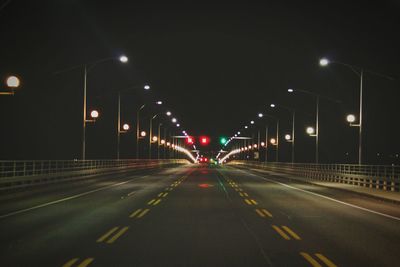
[
  {"x": 329, "y": 198},
  {"x": 67, "y": 198}
]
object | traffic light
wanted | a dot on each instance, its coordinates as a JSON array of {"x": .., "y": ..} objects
[
  {"x": 204, "y": 140},
  {"x": 189, "y": 140},
  {"x": 223, "y": 140}
]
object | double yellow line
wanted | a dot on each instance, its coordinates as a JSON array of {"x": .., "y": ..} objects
[
  {"x": 286, "y": 233},
  {"x": 84, "y": 263},
  {"x": 139, "y": 213},
  {"x": 110, "y": 237},
  {"x": 314, "y": 262}
]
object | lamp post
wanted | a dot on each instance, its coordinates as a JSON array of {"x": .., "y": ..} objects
[
  {"x": 360, "y": 73},
  {"x": 261, "y": 115},
  {"x": 87, "y": 68},
  {"x": 145, "y": 87},
  {"x": 151, "y": 133},
  {"x": 293, "y": 124}
]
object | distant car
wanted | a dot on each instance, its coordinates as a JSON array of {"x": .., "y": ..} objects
[{"x": 203, "y": 160}]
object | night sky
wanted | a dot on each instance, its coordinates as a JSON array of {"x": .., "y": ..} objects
[{"x": 214, "y": 65}]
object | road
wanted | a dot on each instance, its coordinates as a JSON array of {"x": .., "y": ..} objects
[{"x": 196, "y": 215}]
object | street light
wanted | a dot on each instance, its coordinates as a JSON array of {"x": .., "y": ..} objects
[
  {"x": 293, "y": 124},
  {"x": 143, "y": 133},
  {"x": 273, "y": 141},
  {"x": 94, "y": 114},
  {"x": 174, "y": 120},
  {"x": 360, "y": 73},
  {"x": 168, "y": 113},
  {"x": 87, "y": 68},
  {"x": 310, "y": 131},
  {"x": 125, "y": 127},
  {"x": 288, "y": 137},
  {"x": 145, "y": 87},
  {"x": 351, "y": 118},
  {"x": 12, "y": 83}
]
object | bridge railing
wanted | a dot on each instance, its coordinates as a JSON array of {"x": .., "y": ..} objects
[
  {"x": 23, "y": 173},
  {"x": 24, "y": 168},
  {"x": 382, "y": 177}
]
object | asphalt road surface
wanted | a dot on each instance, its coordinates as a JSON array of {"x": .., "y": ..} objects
[{"x": 196, "y": 215}]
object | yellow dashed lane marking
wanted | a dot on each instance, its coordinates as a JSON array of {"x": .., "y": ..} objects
[
  {"x": 254, "y": 202},
  {"x": 86, "y": 262},
  {"x": 325, "y": 260},
  {"x": 291, "y": 232},
  {"x": 281, "y": 232},
  {"x": 165, "y": 194},
  {"x": 143, "y": 213},
  {"x": 310, "y": 259},
  {"x": 151, "y": 201},
  {"x": 106, "y": 235},
  {"x": 259, "y": 212},
  {"x": 157, "y": 201},
  {"x": 248, "y": 201},
  {"x": 266, "y": 213},
  {"x": 246, "y": 194},
  {"x": 159, "y": 195},
  {"x": 241, "y": 194},
  {"x": 117, "y": 235},
  {"x": 70, "y": 263},
  {"x": 135, "y": 213}
]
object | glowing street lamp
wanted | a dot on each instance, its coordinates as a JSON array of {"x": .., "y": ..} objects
[
  {"x": 174, "y": 120},
  {"x": 351, "y": 118},
  {"x": 94, "y": 114},
  {"x": 168, "y": 113},
  {"x": 143, "y": 133},
  {"x": 12, "y": 82},
  {"x": 260, "y": 115},
  {"x": 146, "y": 87},
  {"x": 126, "y": 127},
  {"x": 162, "y": 142},
  {"x": 288, "y": 137},
  {"x": 273, "y": 141},
  {"x": 154, "y": 139},
  {"x": 324, "y": 62},
  {"x": 123, "y": 59},
  {"x": 310, "y": 131}
]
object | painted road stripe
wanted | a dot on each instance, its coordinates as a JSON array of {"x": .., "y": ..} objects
[
  {"x": 241, "y": 194},
  {"x": 71, "y": 262},
  {"x": 281, "y": 232},
  {"x": 151, "y": 201},
  {"x": 159, "y": 195},
  {"x": 135, "y": 213},
  {"x": 157, "y": 201},
  {"x": 325, "y": 260},
  {"x": 248, "y": 201},
  {"x": 246, "y": 194},
  {"x": 143, "y": 213},
  {"x": 329, "y": 198},
  {"x": 106, "y": 235},
  {"x": 291, "y": 232},
  {"x": 310, "y": 259},
  {"x": 254, "y": 202},
  {"x": 117, "y": 235},
  {"x": 267, "y": 213},
  {"x": 165, "y": 194},
  {"x": 86, "y": 262},
  {"x": 260, "y": 213},
  {"x": 68, "y": 198}
]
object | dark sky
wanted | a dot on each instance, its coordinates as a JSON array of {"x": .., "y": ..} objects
[{"x": 214, "y": 65}]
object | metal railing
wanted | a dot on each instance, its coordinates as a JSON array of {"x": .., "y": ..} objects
[
  {"x": 373, "y": 176},
  {"x": 24, "y": 168}
]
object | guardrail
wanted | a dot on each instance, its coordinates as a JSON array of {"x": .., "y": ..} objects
[
  {"x": 24, "y": 173},
  {"x": 381, "y": 177}
]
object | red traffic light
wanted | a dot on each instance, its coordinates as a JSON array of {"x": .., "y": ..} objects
[
  {"x": 189, "y": 140},
  {"x": 204, "y": 140}
]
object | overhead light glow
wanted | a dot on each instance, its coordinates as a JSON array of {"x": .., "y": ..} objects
[
  {"x": 324, "y": 62},
  {"x": 13, "y": 82},
  {"x": 123, "y": 59}
]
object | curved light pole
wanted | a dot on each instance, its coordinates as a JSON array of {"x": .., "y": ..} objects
[
  {"x": 293, "y": 124},
  {"x": 261, "y": 115},
  {"x": 119, "y": 131},
  {"x": 360, "y": 73},
  {"x": 87, "y": 68}
]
